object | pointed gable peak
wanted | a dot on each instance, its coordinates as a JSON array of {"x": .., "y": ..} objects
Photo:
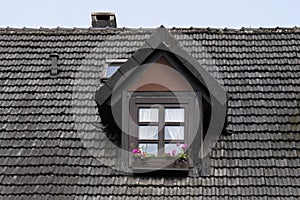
[
  {"x": 161, "y": 35},
  {"x": 162, "y": 39}
]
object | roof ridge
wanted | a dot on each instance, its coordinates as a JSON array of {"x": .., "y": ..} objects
[
  {"x": 190, "y": 29},
  {"x": 243, "y": 29},
  {"x": 58, "y": 28}
]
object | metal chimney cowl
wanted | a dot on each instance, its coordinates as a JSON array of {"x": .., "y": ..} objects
[{"x": 103, "y": 20}]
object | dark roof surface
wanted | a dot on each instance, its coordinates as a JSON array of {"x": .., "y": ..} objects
[{"x": 53, "y": 147}]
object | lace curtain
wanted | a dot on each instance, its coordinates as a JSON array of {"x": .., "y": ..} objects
[
  {"x": 149, "y": 148},
  {"x": 174, "y": 132},
  {"x": 148, "y": 115},
  {"x": 148, "y": 132},
  {"x": 174, "y": 115},
  {"x": 169, "y": 148}
]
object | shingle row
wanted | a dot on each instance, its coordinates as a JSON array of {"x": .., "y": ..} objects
[{"x": 51, "y": 143}]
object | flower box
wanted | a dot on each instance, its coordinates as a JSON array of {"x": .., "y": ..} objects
[
  {"x": 160, "y": 164},
  {"x": 172, "y": 161}
]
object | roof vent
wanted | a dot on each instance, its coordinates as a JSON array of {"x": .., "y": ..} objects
[
  {"x": 103, "y": 20},
  {"x": 54, "y": 60}
]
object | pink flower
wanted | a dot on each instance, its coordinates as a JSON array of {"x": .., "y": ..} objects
[
  {"x": 178, "y": 144},
  {"x": 136, "y": 151},
  {"x": 184, "y": 146},
  {"x": 173, "y": 152}
]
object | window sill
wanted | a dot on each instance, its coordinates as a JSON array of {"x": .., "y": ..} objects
[{"x": 159, "y": 164}]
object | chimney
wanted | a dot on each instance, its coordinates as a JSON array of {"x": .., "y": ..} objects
[
  {"x": 104, "y": 20},
  {"x": 54, "y": 61}
]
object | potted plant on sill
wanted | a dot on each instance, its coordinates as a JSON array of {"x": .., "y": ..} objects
[{"x": 175, "y": 160}]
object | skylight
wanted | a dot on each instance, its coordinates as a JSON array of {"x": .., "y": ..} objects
[{"x": 111, "y": 67}]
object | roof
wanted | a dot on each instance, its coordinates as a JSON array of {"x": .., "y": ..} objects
[{"x": 53, "y": 145}]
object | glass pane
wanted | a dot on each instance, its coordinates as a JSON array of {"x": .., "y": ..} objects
[
  {"x": 148, "y": 132},
  {"x": 148, "y": 115},
  {"x": 111, "y": 69},
  {"x": 172, "y": 149},
  {"x": 174, "y": 132},
  {"x": 149, "y": 148},
  {"x": 174, "y": 115}
]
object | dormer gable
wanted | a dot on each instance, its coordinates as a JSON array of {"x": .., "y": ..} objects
[{"x": 160, "y": 80}]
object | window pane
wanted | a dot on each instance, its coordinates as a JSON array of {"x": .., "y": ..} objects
[
  {"x": 148, "y": 115},
  {"x": 149, "y": 148},
  {"x": 111, "y": 69},
  {"x": 174, "y": 114},
  {"x": 148, "y": 132},
  {"x": 174, "y": 132},
  {"x": 172, "y": 149}
]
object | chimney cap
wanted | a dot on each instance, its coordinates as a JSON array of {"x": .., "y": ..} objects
[
  {"x": 102, "y": 13},
  {"x": 104, "y": 20}
]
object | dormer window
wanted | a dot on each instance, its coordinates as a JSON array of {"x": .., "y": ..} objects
[
  {"x": 157, "y": 103},
  {"x": 161, "y": 127},
  {"x": 162, "y": 124}
]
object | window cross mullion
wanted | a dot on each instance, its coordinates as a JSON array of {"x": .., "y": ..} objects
[{"x": 161, "y": 130}]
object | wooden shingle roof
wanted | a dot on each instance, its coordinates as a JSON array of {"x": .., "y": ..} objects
[{"x": 53, "y": 145}]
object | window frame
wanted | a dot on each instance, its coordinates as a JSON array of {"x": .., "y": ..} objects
[
  {"x": 190, "y": 98},
  {"x": 161, "y": 141},
  {"x": 109, "y": 62}
]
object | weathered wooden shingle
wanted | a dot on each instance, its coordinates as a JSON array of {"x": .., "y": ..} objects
[{"x": 50, "y": 131}]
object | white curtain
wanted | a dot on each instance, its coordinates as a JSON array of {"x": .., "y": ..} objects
[
  {"x": 174, "y": 132},
  {"x": 169, "y": 148},
  {"x": 148, "y": 115},
  {"x": 149, "y": 148},
  {"x": 174, "y": 115},
  {"x": 148, "y": 132}
]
